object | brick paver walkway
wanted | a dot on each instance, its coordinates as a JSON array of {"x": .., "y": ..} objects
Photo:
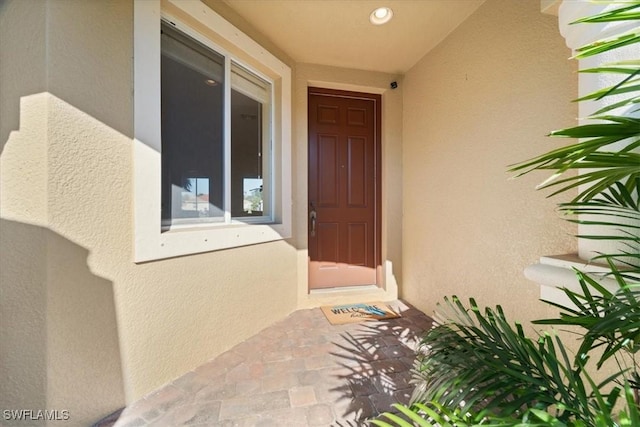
[{"x": 302, "y": 371}]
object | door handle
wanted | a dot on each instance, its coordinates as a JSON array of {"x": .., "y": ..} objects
[{"x": 312, "y": 218}]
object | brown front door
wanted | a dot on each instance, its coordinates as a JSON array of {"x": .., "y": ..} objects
[{"x": 344, "y": 188}]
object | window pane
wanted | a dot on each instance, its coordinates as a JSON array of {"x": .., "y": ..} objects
[
  {"x": 250, "y": 141},
  {"x": 192, "y": 130}
]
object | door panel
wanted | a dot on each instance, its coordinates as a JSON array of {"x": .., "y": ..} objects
[
  {"x": 344, "y": 188},
  {"x": 328, "y": 114},
  {"x": 357, "y": 173},
  {"x": 356, "y": 116},
  {"x": 357, "y": 238},
  {"x": 328, "y": 191},
  {"x": 327, "y": 236}
]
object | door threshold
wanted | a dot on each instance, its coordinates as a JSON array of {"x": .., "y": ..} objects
[{"x": 357, "y": 288}]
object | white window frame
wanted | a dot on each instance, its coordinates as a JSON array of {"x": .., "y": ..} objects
[
  {"x": 151, "y": 242},
  {"x": 230, "y": 61}
]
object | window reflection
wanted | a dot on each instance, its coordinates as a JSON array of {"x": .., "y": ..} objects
[
  {"x": 195, "y": 197},
  {"x": 192, "y": 130},
  {"x": 252, "y": 190},
  {"x": 250, "y": 143},
  {"x": 197, "y": 183}
]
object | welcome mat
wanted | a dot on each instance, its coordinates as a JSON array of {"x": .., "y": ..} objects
[{"x": 352, "y": 313}]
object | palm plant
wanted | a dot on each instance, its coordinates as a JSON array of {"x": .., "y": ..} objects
[
  {"x": 477, "y": 368},
  {"x": 611, "y": 321},
  {"x": 609, "y": 182}
]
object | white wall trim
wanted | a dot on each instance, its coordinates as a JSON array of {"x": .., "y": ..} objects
[
  {"x": 555, "y": 272},
  {"x": 558, "y": 271}
]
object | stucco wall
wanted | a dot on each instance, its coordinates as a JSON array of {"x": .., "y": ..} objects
[
  {"x": 99, "y": 330},
  {"x": 312, "y": 75},
  {"x": 59, "y": 333},
  {"x": 23, "y": 357},
  {"x": 483, "y": 99},
  {"x": 85, "y": 329}
]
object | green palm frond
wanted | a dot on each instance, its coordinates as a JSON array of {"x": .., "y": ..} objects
[
  {"x": 610, "y": 319},
  {"x": 477, "y": 359},
  {"x": 475, "y": 368},
  {"x": 629, "y": 417},
  {"x": 435, "y": 414},
  {"x": 628, "y": 85},
  {"x": 629, "y": 12},
  {"x": 607, "y": 45},
  {"x": 616, "y": 213},
  {"x": 605, "y": 168}
]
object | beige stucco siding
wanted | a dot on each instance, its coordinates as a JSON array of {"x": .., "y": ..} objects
[
  {"x": 483, "y": 99},
  {"x": 84, "y": 328}
]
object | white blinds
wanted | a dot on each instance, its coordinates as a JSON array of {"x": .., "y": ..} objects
[
  {"x": 250, "y": 85},
  {"x": 194, "y": 55}
]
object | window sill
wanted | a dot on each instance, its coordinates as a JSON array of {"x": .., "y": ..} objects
[
  {"x": 211, "y": 225},
  {"x": 193, "y": 240}
]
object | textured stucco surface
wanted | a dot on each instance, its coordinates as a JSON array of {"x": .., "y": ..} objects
[
  {"x": 87, "y": 329},
  {"x": 482, "y": 100},
  {"x": 23, "y": 356}
]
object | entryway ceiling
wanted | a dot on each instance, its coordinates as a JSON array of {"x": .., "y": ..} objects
[{"x": 338, "y": 32}]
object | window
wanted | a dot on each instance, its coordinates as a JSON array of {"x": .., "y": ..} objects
[
  {"x": 212, "y": 127},
  {"x": 197, "y": 184}
]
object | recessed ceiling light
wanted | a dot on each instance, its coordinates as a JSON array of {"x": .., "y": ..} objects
[
  {"x": 210, "y": 82},
  {"x": 381, "y": 15}
]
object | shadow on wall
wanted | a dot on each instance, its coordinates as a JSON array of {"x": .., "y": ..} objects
[
  {"x": 59, "y": 340},
  {"x": 80, "y": 52}
]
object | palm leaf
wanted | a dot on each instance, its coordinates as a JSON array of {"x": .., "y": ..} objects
[
  {"x": 629, "y": 101},
  {"x": 618, "y": 89},
  {"x": 626, "y": 13},
  {"x": 492, "y": 365},
  {"x": 613, "y": 129},
  {"x": 607, "y": 45},
  {"x": 434, "y": 414},
  {"x": 616, "y": 213},
  {"x": 609, "y": 319}
]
